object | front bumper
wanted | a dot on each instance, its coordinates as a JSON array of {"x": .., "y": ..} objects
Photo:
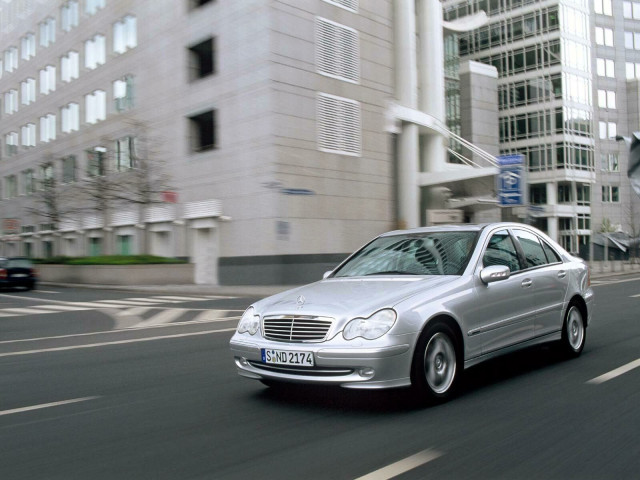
[{"x": 384, "y": 363}]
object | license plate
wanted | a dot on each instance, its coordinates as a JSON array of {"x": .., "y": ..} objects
[
  {"x": 287, "y": 357},
  {"x": 19, "y": 275}
]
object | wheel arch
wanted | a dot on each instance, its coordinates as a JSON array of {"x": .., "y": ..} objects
[{"x": 582, "y": 305}]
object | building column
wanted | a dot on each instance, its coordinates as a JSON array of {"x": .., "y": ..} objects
[
  {"x": 407, "y": 95},
  {"x": 431, "y": 78}
]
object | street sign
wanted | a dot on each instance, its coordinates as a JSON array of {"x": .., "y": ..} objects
[{"x": 511, "y": 182}]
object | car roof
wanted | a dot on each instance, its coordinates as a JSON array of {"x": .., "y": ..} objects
[{"x": 466, "y": 227}]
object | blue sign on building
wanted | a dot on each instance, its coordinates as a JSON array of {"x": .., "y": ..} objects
[{"x": 511, "y": 182}]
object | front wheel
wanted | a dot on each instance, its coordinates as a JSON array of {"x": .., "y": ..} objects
[
  {"x": 574, "y": 332},
  {"x": 435, "y": 368}
]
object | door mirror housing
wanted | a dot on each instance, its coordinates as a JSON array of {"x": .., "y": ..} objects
[{"x": 494, "y": 273}]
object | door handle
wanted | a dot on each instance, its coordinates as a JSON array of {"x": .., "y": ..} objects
[
  {"x": 527, "y": 283},
  {"x": 562, "y": 274}
]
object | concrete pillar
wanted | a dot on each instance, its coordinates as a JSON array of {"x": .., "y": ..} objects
[
  {"x": 431, "y": 78},
  {"x": 407, "y": 95}
]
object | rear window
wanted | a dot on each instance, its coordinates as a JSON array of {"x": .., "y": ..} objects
[{"x": 18, "y": 263}]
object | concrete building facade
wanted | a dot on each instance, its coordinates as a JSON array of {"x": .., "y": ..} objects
[{"x": 263, "y": 140}]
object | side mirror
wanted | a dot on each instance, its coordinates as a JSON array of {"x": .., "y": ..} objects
[
  {"x": 326, "y": 274},
  {"x": 494, "y": 273}
]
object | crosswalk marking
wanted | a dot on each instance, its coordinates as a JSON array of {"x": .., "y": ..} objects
[
  {"x": 127, "y": 306},
  {"x": 216, "y": 315},
  {"x": 165, "y": 316}
]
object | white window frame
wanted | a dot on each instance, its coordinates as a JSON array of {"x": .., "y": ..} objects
[
  {"x": 70, "y": 118},
  {"x": 125, "y": 35},
  {"x": 47, "y": 128},
  {"x": 69, "y": 15},
  {"x": 47, "y": 79},
  {"x": 95, "y": 107},
  {"x": 95, "y": 52},
  {"x": 28, "y": 46},
  {"x": 28, "y": 91},
  {"x": 28, "y": 135},
  {"x": 69, "y": 66},
  {"x": 11, "y": 102},
  {"x": 47, "y": 29}
]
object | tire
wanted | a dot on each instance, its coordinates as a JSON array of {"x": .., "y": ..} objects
[
  {"x": 437, "y": 364},
  {"x": 574, "y": 331}
]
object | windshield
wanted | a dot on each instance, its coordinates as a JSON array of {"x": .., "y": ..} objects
[{"x": 433, "y": 253}]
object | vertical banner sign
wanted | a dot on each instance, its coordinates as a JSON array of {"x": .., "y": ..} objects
[{"x": 511, "y": 182}]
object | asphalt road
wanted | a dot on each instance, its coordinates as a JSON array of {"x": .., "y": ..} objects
[{"x": 113, "y": 392}]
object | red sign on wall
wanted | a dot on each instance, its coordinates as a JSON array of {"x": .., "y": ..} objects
[{"x": 10, "y": 226}]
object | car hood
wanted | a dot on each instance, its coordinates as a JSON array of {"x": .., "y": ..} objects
[{"x": 348, "y": 297}]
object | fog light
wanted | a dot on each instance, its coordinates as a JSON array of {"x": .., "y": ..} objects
[
  {"x": 366, "y": 372},
  {"x": 244, "y": 362}
]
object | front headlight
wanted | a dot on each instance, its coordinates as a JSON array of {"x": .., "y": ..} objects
[
  {"x": 250, "y": 322},
  {"x": 370, "y": 328}
]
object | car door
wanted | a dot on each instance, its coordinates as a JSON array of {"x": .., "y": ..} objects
[
  {"x": 550, "y": 279},
  {"x": 505, "y": 309}
]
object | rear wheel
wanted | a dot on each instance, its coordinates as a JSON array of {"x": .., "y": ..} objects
[
  {"x": 574, "y": 332},
  {"x": 436, "y": 367}
]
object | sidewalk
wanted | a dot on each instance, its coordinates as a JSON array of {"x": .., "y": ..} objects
[{"x": 239, "y": 290}]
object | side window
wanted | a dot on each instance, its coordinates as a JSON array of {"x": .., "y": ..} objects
[
  {"x": 501, "y": 251},
  {"x": 552, "y": 256},
  {"x": 533, "y": 252}
]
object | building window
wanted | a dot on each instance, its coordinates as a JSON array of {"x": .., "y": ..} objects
[
  {"x": 96, "y": 161},
  {"x": 28, "y": 46},
  {"x": 339, "y": 125},
  {"x": 10, "y": 59},
  {"x": 95, "y": 106},
  {"x": 351, "y": 5},
  {"x": 203, "y": 131},
  {"x": 92, "y": 6},
  {"x": 124, "y": 244},
  {"x": 604, "y": 36},
  {"x": 28, "y": 91},
  {"x": 28, "y": 134},
  {"x": 47, "y": 79},
  {"x": 602, "y": 7},
  {"x": 69, "y": 169},
  {"x": 28, "y": 182},
  {"x": 564, "y": 193},
  {"x": 47, "y": 32},
  {"x": 538, "y": 194},
  {"x": 606, "y": 99},
  {"x": 609, "y": 162},
  {"x": 47, "y": 177},
  {"x": 610, "y": 194},
  {"x": 198, "y": 3},
  {"x": 11, "y": 102},
  {"x": 125, "y": 153},
  {"x": 337, "y": 50},
  {"x": 10, "y": 186},
  {"x": 69, "y": 15},
  {"x": 584, "y": 194},
  {"x": 70, "y": 118},
  {"x": 11, "y": 143},
  {"x": 202, "y": 59},
  {"x": 584, "y": 222},
  {"x": 631, "y": 10},
  {"x": 69, "y": 66},
  {"x": 123, "y": 93},
  {"x": 605, "y": 67},
  {"x": 607, "y": 130},
  {"x": 94, "y": 52},
  {"x": 125, "y": 34},
  {"x": 48, "y": 128}
]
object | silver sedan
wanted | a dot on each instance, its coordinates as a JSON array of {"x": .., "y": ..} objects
[{"x": 417, "y": 307}]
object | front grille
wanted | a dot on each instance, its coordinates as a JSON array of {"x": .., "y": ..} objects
[
  {"x": 308, "y": 371},
  {"x": 296, "y": 328}
]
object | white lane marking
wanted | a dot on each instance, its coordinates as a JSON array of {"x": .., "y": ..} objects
[
  {"x": 150, "y": 300},
  {"x": 115, "y": 342},
  {"x": 123, "y": 301},
  {"x": 135, "y": 311},
  {"x": 182, "y": 299},
  {"x": 22, "y": 311},
  {"x": 634, "y": 296},
  {"x": 61, "y": 308},
  {"x": 97, "y": 305},
  {"x": 403, "y": 466},
  {"x": 615, "y": 373},
  {"x": 47, "y": 291},
  {"x": 215, "y": 315},
  {"x": 165, "y": 316},
  {"x": 612, "y": 282},
  {"x": 46, "y": 405}
]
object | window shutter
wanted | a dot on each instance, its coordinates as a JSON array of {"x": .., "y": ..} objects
[
  {"x": 338, "y": 125},
  {"x": 337, "y": 50}
]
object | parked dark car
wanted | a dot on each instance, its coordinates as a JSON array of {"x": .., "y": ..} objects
[{"x": 17, "y": 272}]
